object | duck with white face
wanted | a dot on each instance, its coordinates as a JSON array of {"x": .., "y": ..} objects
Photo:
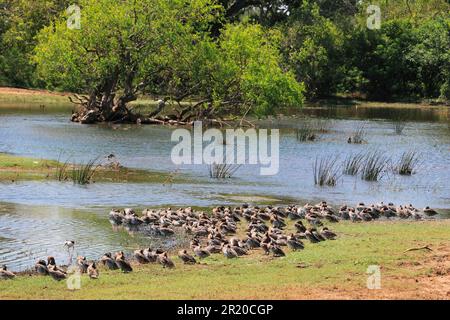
[{"x": 5, "y": 274}]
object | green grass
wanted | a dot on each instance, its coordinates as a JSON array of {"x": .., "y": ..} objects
[
  {"x": 15, "y": 168},
  {"x": 11, "y": 161},
  {"x": 327, "y": 266}
]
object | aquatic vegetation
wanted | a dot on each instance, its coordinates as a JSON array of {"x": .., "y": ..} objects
[
  {"x": 61, "y": 171},
  {"x": 352, "y": 164},
  {"x": 407, "y": 163},
  {"x": 82, "y": 174},
  {"x": 325, "y": 171},
  {"x": 399, "y": 126},
  {"x": 223, "y": 170},
  {"x": 306, "y": 132},
  {"x": 322, "y": 125},
  {"x": 374, "y": 166},
  {"x": 358, "y": 135}
]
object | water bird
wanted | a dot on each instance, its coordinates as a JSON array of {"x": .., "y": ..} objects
[
  {"x": 51, "y": 263},
  {"x": 429, "y": 212},
  {"x": 124, "y": 265},
  {"x": 41, "y": 267},
  {"x": 327, "y": 234},
  {"x": 201, "y": 253},
  {"x": 69, "y": 244},
  {"x": 82, "y": 264},
  {"x": 276, "y": 250},
  {"x": 5, "y": 274},
  {"x": 165, "y": 261},
  {"x": 141, "y": 257},
  {"x": 229, "y": 252},
  {"x": 186, "y": 257},
  {"x": 294, "y": 243},
  {"x": 56, "y": 273},
  {"x": 92, "y": 271},
  {"x": 109, "y": 262}
]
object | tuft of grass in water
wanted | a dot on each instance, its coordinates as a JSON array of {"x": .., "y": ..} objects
[
  {"x": 352, "y": 164},
  {"x": 358, "y": 135},
  {"x": 322, "y": 125},
  {"x": 398, "y": 126},
  {"x": 83, "y": 173},
  {"x": 374, "y": 166},
  {"x": 325, "y": 171},
  {"x": 223, "y": 170},
  {"x": 61, "y": 171},
  {"x": 408, "y": 162},
  {"x": 306, "y": 132}
]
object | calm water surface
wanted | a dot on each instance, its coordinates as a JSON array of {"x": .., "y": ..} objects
[{"x": 36, "y": 217}]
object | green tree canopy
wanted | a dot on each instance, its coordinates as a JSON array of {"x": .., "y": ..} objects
[{"x": 124, "y": 48}]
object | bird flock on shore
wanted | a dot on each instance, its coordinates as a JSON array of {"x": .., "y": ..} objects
[{"x": 216, "y": 233}]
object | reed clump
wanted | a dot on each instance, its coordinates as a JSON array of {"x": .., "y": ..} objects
[{"x": 326, "y": 171}]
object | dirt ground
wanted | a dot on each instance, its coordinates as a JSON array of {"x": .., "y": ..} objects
[
  {"x": 434, "y": 285},
  {"x": 18, "y": 91}
]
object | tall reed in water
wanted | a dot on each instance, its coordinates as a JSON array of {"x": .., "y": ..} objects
[
  {"x": 82, "y": 174},
  {"x": 325, "y": 171},
  {"x": 408, "y": 162},
  {"x": 223, "y": 170},
  {"x": 306, "y": 132},
  {"x": 352, "y": 164},
  {"x": 374, "y": 166}
]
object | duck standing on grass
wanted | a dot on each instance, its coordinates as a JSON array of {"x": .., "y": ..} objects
[
  {"x": 5, "y": 274},
  {"x": 165, "y": 261},
  {"x": 186, "y": 257},
  {"x": 201, "y": 253},
  {"x": 109, "y": 262},
  {"x": 82, "y": 264},
  {"x": 56, "y": 273},
  {"x": 294, "y": 243},
  {"x": 276, "y": 250},
  {"x": 92, "y": 271},
  {"x": 429, "y": 212},
  {"x": 51, "y": 264},
  {"x": 124, "y": 265},
  {"x": 229, "y": 252},
  {"x": 140, "y": 256},
  {"x": 328, "y": 234},
  {"x": 41, "y": 267}
]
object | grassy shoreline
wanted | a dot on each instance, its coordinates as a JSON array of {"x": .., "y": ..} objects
[
  {"x": 329, "y": 270},
  {"x": 41, "y": 99},
  {"x": 15, "y": 168}
]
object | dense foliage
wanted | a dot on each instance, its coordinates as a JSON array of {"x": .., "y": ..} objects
[{"x": 230, "y": 56}]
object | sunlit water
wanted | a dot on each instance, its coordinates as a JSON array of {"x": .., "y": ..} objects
[{"x": 36, "y": 217}]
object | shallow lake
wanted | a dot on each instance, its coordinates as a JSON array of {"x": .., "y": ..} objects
[{"x": 36, "y": 217}]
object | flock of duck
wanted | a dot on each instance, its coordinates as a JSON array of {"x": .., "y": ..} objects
[{"x": 217, "y": 233}]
